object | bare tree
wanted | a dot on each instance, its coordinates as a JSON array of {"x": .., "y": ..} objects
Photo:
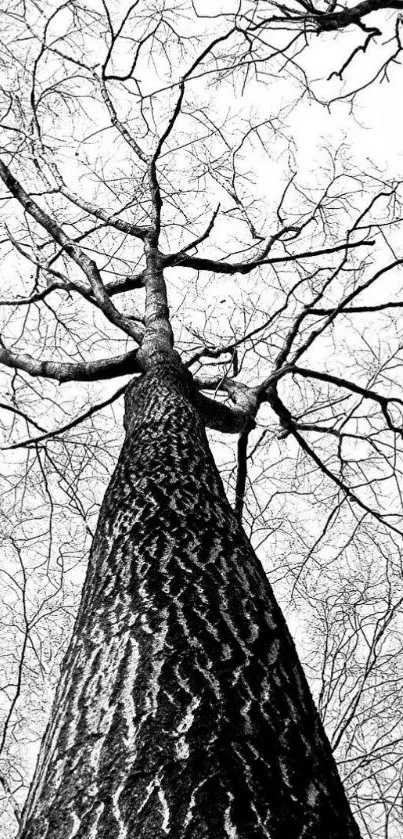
[{"x": 182, "y": 708}]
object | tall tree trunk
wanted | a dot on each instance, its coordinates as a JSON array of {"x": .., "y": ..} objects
[{"x": 182, "y": 710}]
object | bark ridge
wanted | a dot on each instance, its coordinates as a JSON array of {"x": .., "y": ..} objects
[{"x": 182, "y": 710}]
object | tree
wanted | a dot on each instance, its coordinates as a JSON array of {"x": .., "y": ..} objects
[{"x": 182, "y": 709}]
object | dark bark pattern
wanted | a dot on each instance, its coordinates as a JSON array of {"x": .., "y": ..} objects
[{"x": 182, "y": 709}]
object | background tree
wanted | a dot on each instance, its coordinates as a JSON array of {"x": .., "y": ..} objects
[{"x": 272, "y": 280}]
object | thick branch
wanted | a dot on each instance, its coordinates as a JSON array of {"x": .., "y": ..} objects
[
  {"x": 87, "y": 265},
  {"x": 199, "y": 263},
  {"x": 325, "y": 21},
  {"x": 85, "y": 371},
  {"x": 221, "y": 417},
  {"x": 330, "y": 21},
  {"x": 242, "y": 472}
]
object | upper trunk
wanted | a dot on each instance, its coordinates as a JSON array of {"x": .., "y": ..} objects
[{"x": 182, "y": 709}]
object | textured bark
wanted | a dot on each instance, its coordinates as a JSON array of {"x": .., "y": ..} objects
[{"x": 182, "y": 709}]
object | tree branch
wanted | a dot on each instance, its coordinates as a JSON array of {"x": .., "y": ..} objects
[
  {"x": 242, "y": 471},
  {"x": 33, "y": 441},
  {"x": 89, "y": 371},
  {"x": 287, "y": 422},
  {"x": 199, "y": 263},
  {"x": 87, "y": 265},
  {"x": 367, "y": 393}
]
